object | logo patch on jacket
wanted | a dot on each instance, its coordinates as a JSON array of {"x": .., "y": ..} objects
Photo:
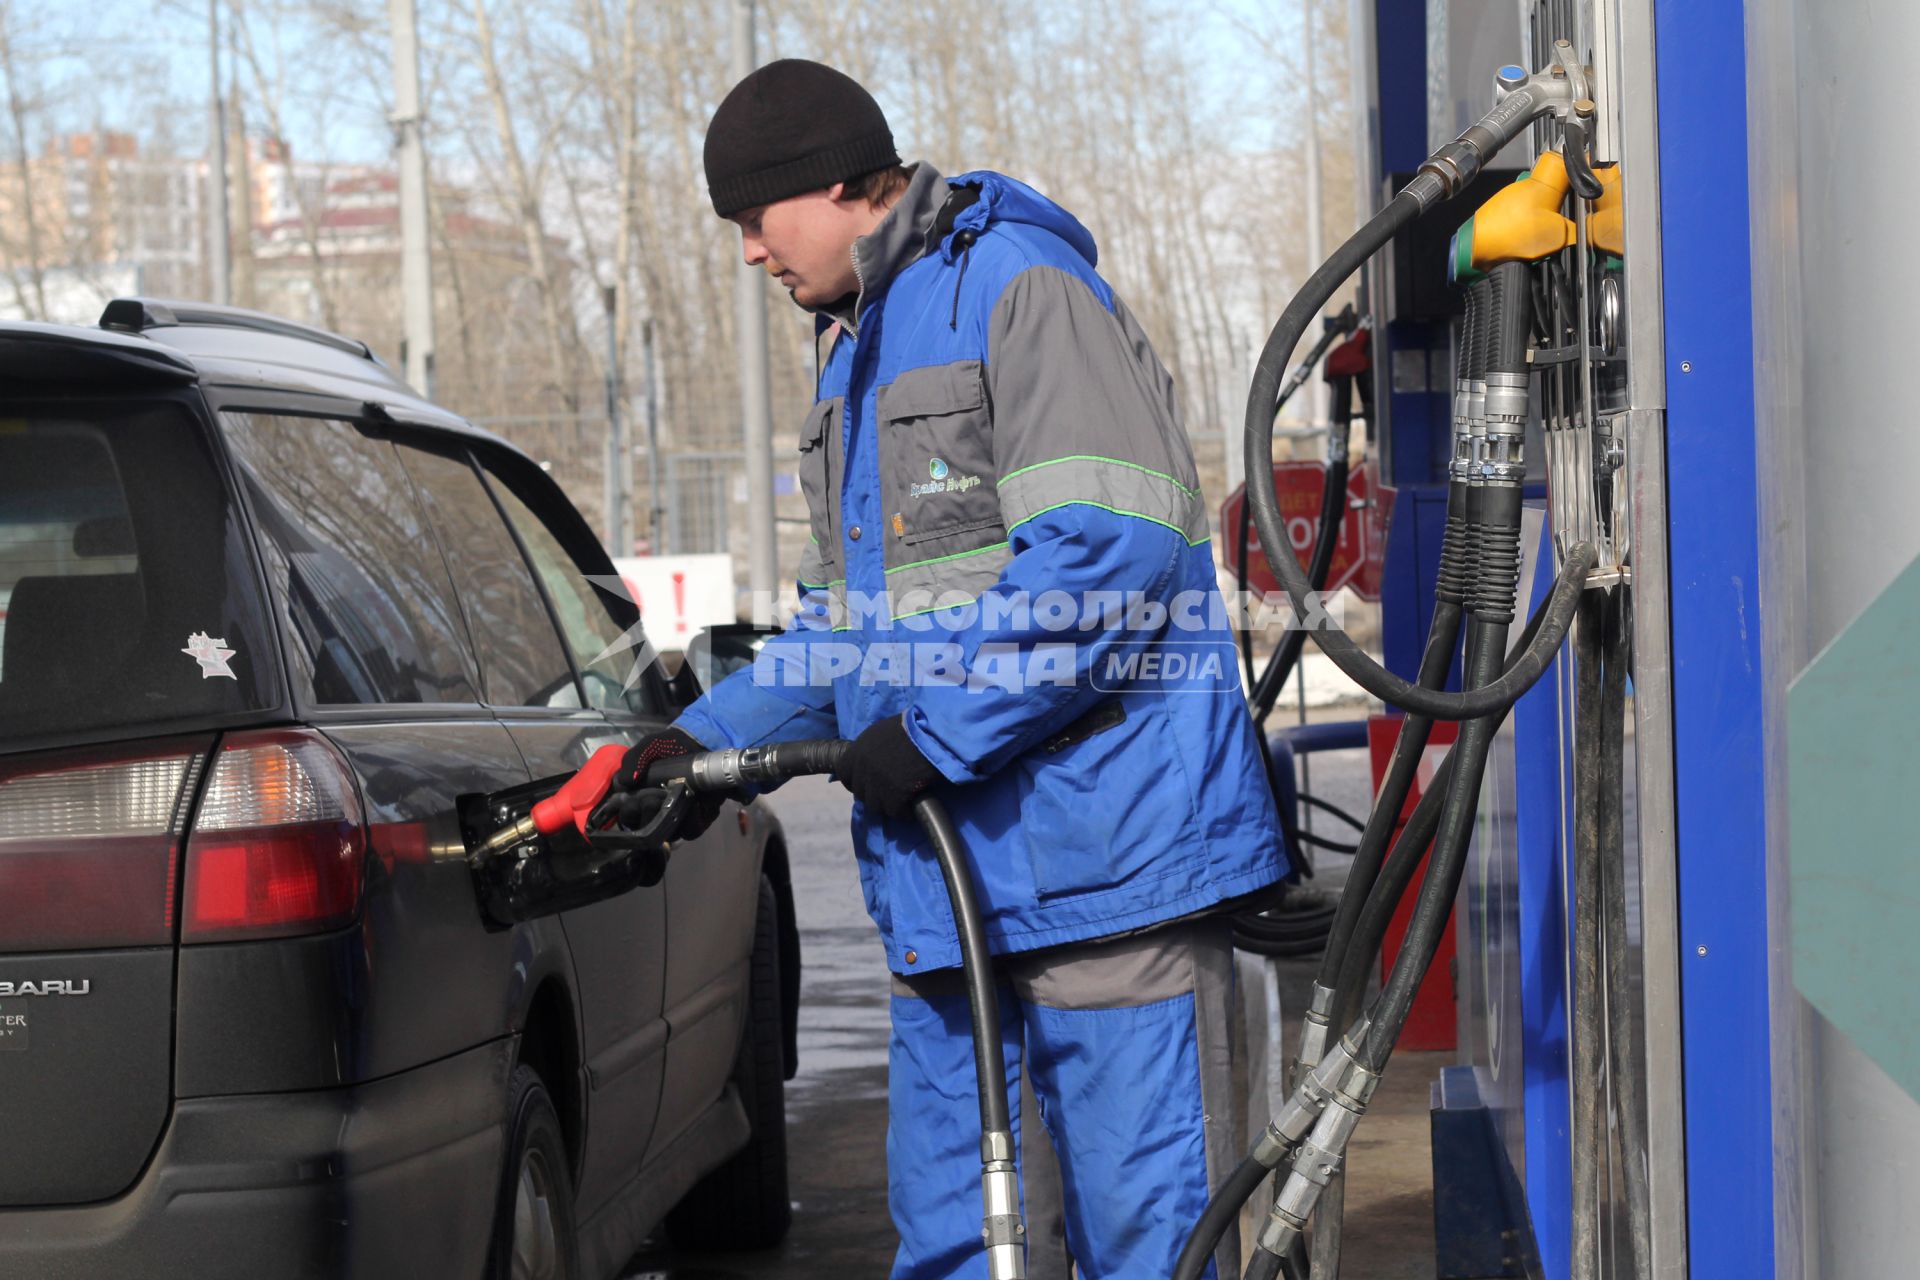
[{"x": 944, "y": 481}]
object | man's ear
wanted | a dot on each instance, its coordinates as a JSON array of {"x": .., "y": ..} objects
[{"x": 837, "y": 192}]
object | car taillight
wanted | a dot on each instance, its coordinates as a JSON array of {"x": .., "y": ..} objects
[
  {"x": 88, "y": 844},
  {"x": 278, "y": 846}
]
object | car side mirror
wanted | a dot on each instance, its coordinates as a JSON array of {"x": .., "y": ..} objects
[{"x": 719, "y": 651}]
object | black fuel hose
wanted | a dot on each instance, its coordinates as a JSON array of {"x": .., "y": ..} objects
[
  {"x": 1586, "y": 1015},
  {"x": 1220, "y": 1213},
  {"x": 1491, "y": 536},
  {"x": 1422, "y": 938},
  {"x": 1402, "y": 766},
  {"x": 1493, "y": 516},
  {"x": 1264, "y": 502},
  {"x": 1368, "y": 932},
  {"x": 758, "y": 766},
  {"x": 983, "y": 1004},
  {"x": 1443, "y": 639},
  {"x": 1482, "y": 522},
  {"x": 1347, "y": 971},
  {"x": 1240, "y": 571},
  {"x": 728, "y": 768},
  {"x": 1355, "y": 963},
  {"x": 1512, "y": 318},
  {"x": 1263, "y": 1266},
  {"x": 1334, "y": 327},
  {"x": 1626, "y": 1065},
  {"x": 1332, "y": 810},
  {"x": 1326, "y": 538},
  {"x": 1292, "y": 934},
  {"x": 1321, "y": 842}
]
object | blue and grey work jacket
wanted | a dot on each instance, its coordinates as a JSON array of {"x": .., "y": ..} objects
[{"x": 1010, "y": 548}]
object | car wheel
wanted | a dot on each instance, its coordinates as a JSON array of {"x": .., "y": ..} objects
[
  {"x": 743, "y": 1204},
  {"x": 533, "y": 1217}
]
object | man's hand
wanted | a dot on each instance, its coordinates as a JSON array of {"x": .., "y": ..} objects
[
  {"x": 638, "y": 807},
  {"x": 885, "y": 771}
]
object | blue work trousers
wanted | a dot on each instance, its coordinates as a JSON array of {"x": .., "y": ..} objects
[{"x": 1125, "y": 1046}]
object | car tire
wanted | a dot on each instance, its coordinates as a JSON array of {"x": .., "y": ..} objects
[
  {"x": 743, "y": 1204},
  {"x": 533, "y": 1235}
]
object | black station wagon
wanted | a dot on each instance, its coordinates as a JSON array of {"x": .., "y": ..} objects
[{"x": 267, "y": 622}]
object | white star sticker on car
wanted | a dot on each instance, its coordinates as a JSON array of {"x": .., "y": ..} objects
[{"x": 211, "y": 654}]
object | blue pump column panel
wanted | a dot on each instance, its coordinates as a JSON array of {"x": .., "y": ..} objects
[
  {"x": 1713, "y": 539},
  {"x": 1515, "y": 905}
]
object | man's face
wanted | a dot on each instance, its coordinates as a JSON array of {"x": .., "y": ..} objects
[{"x": 806, "y": 242}]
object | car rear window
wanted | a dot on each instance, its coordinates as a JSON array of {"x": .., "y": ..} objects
[
  {"x": 371, "y": 616},
  {"x": 127, "y": 594}
]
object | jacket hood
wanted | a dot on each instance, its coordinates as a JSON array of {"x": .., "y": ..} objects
[{"x": 1004, "y": 199}]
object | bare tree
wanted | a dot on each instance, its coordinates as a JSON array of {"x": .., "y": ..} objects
[
  {"x": 561, "y": 337},
  {"x": 30, "y": 254}
]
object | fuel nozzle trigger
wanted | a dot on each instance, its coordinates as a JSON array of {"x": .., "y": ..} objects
[{"x": 658, "y": 809}]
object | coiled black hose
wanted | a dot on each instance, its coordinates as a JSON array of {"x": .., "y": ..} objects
[{"x": 1264, "y": 502}]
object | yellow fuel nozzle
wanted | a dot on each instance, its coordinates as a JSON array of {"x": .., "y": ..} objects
[
  {"x": 1521, "y": 223},
  {"x": 1606, "y": 225}
]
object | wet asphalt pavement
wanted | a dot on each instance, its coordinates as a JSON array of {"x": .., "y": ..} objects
[{"x": 837, "y": 1105}]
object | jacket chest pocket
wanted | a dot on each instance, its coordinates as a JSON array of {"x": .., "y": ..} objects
[
  {"x": 816, "y": 478},
  {"x": 936, "y": 453}
]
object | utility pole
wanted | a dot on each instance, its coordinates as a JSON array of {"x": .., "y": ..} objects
[
  {"x": 756, "y": 396},
  {"x": 416, "y": 265},
  {"x": 1316, "y": 230},
  {"x": 657, "y": 523},
  {"x": 220, "y": 250},
  {"x": 619, "y": 482}
]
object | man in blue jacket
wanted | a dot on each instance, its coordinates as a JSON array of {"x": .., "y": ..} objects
[{"x": 1009, "y": 593}]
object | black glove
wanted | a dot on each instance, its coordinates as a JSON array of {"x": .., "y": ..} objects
[
  {"x": 704, "y": 806},
  {"x": 885, "y": 771}
]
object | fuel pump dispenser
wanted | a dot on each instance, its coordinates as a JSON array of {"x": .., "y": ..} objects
[{"x": 1479, "y": 573}]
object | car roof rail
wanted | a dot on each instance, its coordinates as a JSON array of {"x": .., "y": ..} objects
[{"x": 137, "y": 315}]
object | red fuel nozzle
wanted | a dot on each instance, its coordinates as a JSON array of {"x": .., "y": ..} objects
[
  {"x": 1351, "y": 358},
  {"x": 582, "y": 793}
]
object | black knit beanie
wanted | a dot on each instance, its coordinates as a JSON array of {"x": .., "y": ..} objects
[{"x": 791, "y": 127}]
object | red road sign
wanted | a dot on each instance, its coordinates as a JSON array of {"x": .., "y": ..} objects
[{"x": 1359, "y": 556}]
